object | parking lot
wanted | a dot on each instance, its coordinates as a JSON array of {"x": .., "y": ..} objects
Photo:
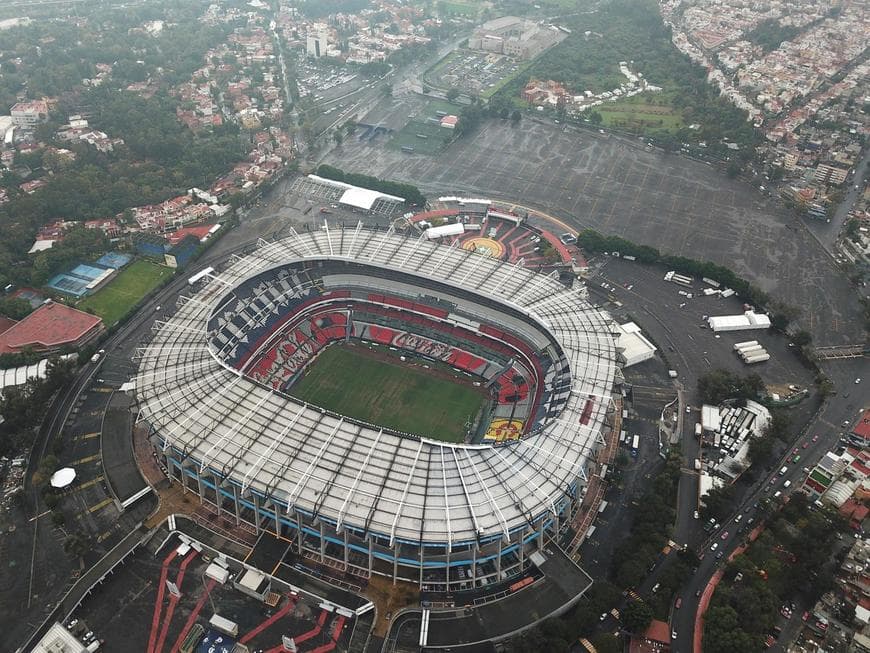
[
  {"x": 677, "y": 325},
  {"x": 474, "y": 72},
  {"x": 324, "y": 83},
  {"x": 616, "y": 186}
]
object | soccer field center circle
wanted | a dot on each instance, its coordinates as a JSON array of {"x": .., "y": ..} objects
[{"x": 211, "y": 387}]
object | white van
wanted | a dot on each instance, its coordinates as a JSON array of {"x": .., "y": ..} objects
[{"x": 783, "y": 470}]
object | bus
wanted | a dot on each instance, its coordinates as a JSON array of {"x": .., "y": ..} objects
[{"x": 635, "y": 445}]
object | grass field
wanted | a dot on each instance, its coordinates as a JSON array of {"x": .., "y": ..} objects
[
  {"x": 635, "y": 114},
  {"x": 115, "y": 300},
  {"x": 350, "y": 381},
  {"x": 456, "y": 7}
]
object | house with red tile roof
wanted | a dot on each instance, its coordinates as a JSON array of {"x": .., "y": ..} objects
[{"x": 656, "y": 639}]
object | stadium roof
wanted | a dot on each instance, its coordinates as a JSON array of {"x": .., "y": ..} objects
[
  {"x": 50, "y": 326},
  {"x": 300, "y": 457},
  {"x": 358, "y": 198}
]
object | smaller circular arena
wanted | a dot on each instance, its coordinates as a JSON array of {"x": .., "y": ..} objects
[{"x": 397, "y": 406}]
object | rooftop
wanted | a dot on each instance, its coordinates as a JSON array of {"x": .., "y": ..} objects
[
  {"x": 358, "y": 198},
  {"x": 862, "y": 428},
  {"x": 51, "y": 325}
]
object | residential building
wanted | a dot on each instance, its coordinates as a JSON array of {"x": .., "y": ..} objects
[
  {"x": 28, "y": 114},
  {"x": 316, "y": 43},
  {"x": 829, "y": 174}
]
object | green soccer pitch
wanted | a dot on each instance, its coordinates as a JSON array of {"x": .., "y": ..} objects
[{"x": 376, "y": 387}]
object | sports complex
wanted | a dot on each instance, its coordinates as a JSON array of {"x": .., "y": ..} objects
[{"x": 385, "y": 402}]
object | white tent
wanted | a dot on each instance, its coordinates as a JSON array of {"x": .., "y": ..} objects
[{"x": 63, "y": 477}]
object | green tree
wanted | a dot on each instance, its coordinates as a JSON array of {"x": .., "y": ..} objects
[
  {"x": 637, "y": 616},
  {"x": 76, "y": 546},
  {"x": 15, "y": 308}
]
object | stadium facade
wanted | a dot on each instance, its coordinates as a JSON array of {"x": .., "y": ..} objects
[{"x": 213, "y": 384}]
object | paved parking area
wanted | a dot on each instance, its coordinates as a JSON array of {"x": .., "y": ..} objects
[
  {"x": 611, "y": 184},
  {"x": 474, "y": 72},
  {"x": 36, "y": 570},
  {"x": 675, "y": 324}
]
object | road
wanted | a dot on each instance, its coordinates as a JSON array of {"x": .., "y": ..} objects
[
  {"x": 672, "y": 322},
  {"x": 263, "y": 220},
  {"x": 828, "y": 425}
]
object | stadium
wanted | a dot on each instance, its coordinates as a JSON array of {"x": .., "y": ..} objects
[{"x": 269, "y": 393}]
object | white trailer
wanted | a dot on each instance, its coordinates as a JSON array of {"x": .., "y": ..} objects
[
  {"x": 224, "y": 625},
  {"x": 751, "y": 351},
  {"x": 710, "y": 282},
  {"x": 746, "y": 343},
  {"x": 758, "y": 358}
]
